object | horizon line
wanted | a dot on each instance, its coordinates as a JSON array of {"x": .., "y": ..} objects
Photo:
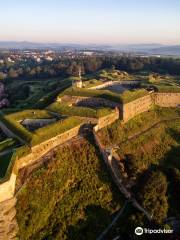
[{"x": 90, "y": 43}]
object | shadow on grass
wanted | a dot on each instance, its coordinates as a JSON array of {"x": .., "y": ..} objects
[
  {"x": 96, "y": 218},
  {"x": 4, "y": 163},
  {"x": 172, "y": 158}
]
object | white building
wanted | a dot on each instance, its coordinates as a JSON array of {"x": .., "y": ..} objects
[
  {"x": 10, "y": 60},
  {"x": 49, "y": 58}
]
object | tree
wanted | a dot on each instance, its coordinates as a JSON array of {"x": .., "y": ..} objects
[
  {"x": 12, "y": 73},
  {"x": 152, "y": 195},
  {"x": 131, "y": 165},
  {"x": 2, "y": 75},
  {"x": 73, "y": 69},
  {"x": 173, "y": 175}
]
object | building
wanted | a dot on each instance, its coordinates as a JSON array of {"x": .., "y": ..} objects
[{"x": 49, "y": 58}]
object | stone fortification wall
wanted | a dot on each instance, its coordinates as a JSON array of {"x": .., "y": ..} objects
[
  {"x": 87, "y": 101},
  {"x": 95, "y": 102},
  {"x": 8, "y": 223},
  {"x": 41, "y": 149},
  {"x": 103, "y": 85},
  {"x": 104, "y": 121},
  {"x": 8, "y": 227},
  {"x": 143, "y": 104},
  {"x": 111, "y": 83},
  {"x": 137, "y": 106},
  {"x": 7, "y": 188},
  {"x": 166, "y": 99}
]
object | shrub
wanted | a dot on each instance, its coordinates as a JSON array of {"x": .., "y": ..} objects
[{"x": 152, "y": 194}]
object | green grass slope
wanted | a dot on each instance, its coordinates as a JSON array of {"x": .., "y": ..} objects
[
  {"x": 71, "y": 197},
  {"x": 150, "y": 138}
]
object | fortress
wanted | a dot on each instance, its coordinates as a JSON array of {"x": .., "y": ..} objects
[{"x": 126, "y": 111}]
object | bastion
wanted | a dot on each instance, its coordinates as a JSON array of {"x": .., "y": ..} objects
[{"x": 125, "y": 112}]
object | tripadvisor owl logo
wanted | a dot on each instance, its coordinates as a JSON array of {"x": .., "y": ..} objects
[{"x": 139, "y": 231}]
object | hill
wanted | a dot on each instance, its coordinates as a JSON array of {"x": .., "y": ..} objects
[{"x": 153, "y": 48}]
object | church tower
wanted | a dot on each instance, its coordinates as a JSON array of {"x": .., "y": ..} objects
[{"x": 78, "y": 83}]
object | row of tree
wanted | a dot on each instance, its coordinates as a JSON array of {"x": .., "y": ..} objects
[{"x": 69, "y": 67}]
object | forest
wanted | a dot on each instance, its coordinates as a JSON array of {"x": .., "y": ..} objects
[{"x": 69, "y": 67}]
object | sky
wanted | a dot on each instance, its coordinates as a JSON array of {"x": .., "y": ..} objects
[{"x": 91, "y": 21}]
